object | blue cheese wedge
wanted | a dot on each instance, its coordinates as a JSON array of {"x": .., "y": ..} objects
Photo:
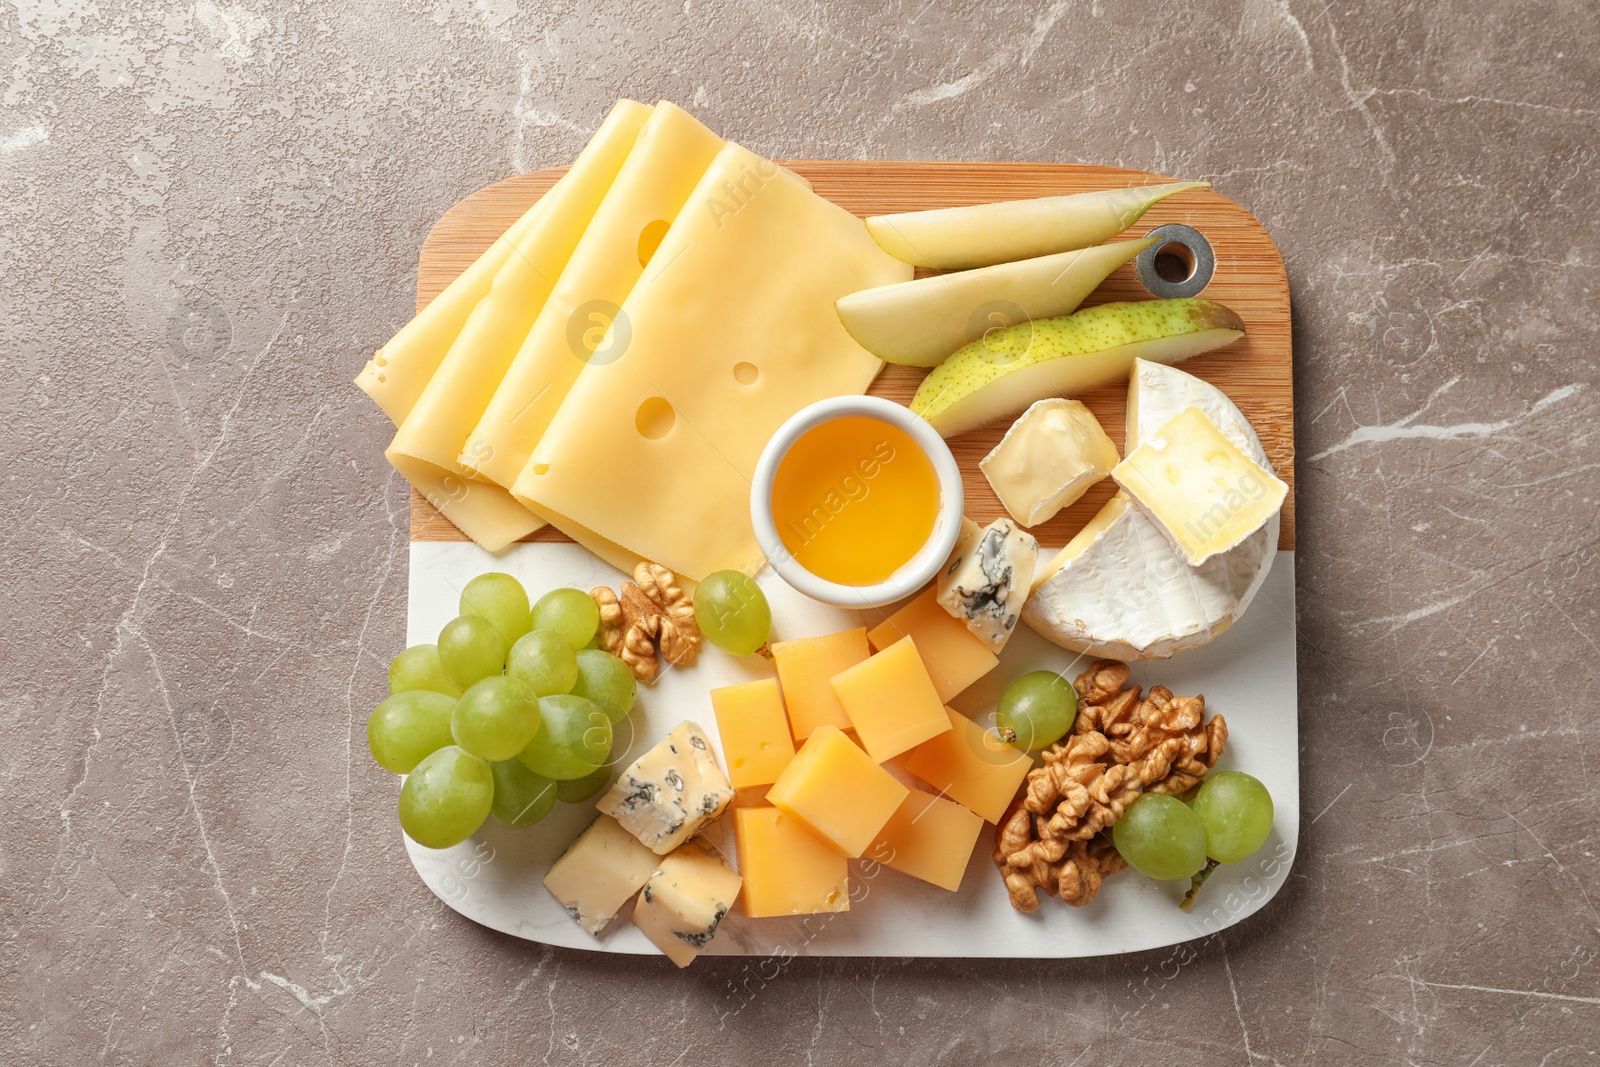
[
  {"x": 987, "y": 579},
  {"x": 670, "y": 792},
  {"x": 599, "y": 873},
  {"x": 684, "y": 901}
]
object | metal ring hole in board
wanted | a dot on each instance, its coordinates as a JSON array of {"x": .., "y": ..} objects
[{"x": 1180, "y": 263}]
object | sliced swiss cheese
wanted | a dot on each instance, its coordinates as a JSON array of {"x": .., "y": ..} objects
[
  {"x": 428, "y": 443},
  {"x": 1120, "y": 588},
  {"x": 396, "y": 375},
  {"x": 733, "y": 331},
  {"x": 667, "y": 161}
]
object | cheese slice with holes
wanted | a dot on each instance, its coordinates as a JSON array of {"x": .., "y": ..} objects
[
  {"x": 576, "y": 324},
  {"x": 428, "y": 442},
  {"x": 1120, "y": 588},
  {"x": 733, "y": 331}
]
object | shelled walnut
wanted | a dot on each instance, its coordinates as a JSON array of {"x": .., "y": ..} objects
[
  {"x": 1053, "y": 837},
  {"x": 649, "y": 614}
]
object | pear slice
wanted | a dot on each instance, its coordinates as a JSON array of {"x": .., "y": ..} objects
[
  {"x": 1006, "y": 371},
  {"x": 955, "y": 238},
  {"x": 918, "y": 323}
]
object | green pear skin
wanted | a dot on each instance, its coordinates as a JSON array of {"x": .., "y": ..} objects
[
  {"x": 919, "y": 323},
  {"x": 955, "y": 238},
  {"x": 1007, "y": 370}
]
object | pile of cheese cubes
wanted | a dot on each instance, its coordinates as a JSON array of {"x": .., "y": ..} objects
[{"x": 829, "y": 796}]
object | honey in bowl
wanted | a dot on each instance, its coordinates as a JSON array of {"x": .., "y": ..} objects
[{"x": 854, "y": 499}]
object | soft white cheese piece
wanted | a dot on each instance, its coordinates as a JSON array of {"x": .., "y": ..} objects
[
  {"x": 1048, "y": 459},
  {"x": 599, "y": 873},
  {"x": 1120, "y": 589},
  {"x": 670, "y": 792},
  {"x": 987, "y": 579},
  {"x": 1201, "y": 489},
  {"x": 684, "y": 901}
]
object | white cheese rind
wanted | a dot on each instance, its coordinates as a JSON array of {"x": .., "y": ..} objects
[
  {"x": 1129, "y": 595},
  {"x": 671, "y": 791},
  {"x": 599, "y": 873},
  {"x": 1157, "y": 392},
  {"x": 1048, "y": 459},
  {"x": 987, "y": 579},
  {"x": 1120, "y": 589}
]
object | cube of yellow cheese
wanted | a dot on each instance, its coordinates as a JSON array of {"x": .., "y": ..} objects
[
  {"x": 971, "y": 765},
  {"x": 599, "y": 873},
  {"x": 684, "y": 901},
  {"x": 952, "y": 654},
  {"x": 891, "y": 701},
  {"x": 1198, "y": 487},
  {"x": 787, "y": 870},
  {"x": 756, "y": 744},
  {"x": 804, "y": 667},
  {"x": 837, "y": 791},
  {"x": 929, "y": 838}
]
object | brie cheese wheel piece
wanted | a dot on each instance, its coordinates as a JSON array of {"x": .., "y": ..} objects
[
  {"x": 987, "y": 579},
  {"x": 1120, "y": 589},
  {"x": 1203, "y": 492},
  {"x": 1048, "y": 459}
]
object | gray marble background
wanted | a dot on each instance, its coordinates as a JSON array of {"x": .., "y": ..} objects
[{"x": 209, "y": 215}]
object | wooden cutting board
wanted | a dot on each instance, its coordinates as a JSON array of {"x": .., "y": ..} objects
[{"x": 1256, "y": 371}]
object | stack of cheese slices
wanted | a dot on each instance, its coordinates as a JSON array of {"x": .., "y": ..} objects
[{"x": 615, "y": 362}]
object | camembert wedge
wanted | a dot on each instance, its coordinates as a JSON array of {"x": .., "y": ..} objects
[
  {"x": 1204, "y": 493},
  {"x": 1048, "y": 459}
]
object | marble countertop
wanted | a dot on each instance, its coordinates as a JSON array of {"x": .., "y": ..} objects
[{"x": 210, "y": 216}]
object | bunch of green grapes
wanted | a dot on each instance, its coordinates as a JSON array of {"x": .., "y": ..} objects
[{"x": 509, "y": 712}]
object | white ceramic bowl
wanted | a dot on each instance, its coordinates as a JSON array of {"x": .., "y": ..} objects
[{"x": 921, "y": 567}]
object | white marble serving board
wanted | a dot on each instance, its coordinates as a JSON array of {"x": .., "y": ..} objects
[{"x": 1247, "y": 675}]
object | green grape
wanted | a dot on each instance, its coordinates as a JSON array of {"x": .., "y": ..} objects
[
  {"x": 606, "y": 680},
  {"x": 579, "y": 789},
  {"x": 501, "y": 599},
  {"x": 446, "y": 798},
  {"x": 1161, "y": 837},
  {"x": 544, "y": 662},
  {"x": 496, "y": 718},
  {"x": 573, "y": 741},
  {"x": 572, "y": 613},
  {"x": 1037, "y": 710},
  {"x": 521, "y": 798},
  {"x": 733, "y": 612},
  {"x": 418, "y": 667},
  {"x": 1236, "y": 811},
  {"x": 471, "y": 649},
  {"x": 408, "y": 727}
]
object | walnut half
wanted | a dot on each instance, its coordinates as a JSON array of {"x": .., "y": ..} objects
[{"x": 650, "y": 613}]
